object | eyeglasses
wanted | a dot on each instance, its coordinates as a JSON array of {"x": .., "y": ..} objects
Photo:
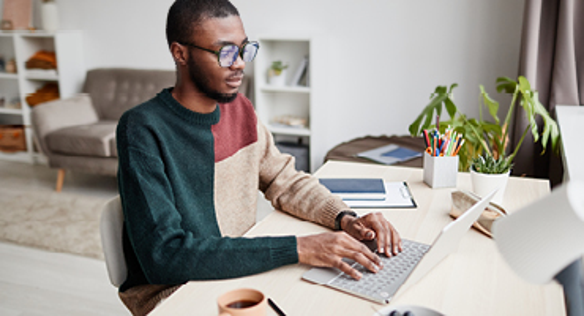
[{"x": 227, "y": 55}]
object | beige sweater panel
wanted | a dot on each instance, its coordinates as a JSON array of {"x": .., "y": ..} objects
[{"x": 288, "y": 190}]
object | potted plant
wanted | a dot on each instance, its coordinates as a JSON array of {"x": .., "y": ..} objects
[
  {"x": 277, "y": 73},
  {"x": 486, "y": 150}
]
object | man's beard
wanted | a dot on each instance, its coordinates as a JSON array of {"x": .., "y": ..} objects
[{"x": 201, "y": 81}]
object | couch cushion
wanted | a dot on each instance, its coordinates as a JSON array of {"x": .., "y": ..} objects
[
  {"x": 113, "y": 147},
  {"x": 83, "y": 140}
]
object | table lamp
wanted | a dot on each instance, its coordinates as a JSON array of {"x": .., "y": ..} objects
[{"x": 544, "y": 238}]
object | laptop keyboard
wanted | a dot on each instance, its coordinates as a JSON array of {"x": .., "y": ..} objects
[{"x": 381, "y": 286}]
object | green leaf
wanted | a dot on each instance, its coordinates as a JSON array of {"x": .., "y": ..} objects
[
  {"x": 492, "y": 105},
  {"x": 450, "y": 107},
  {"x": 506, "y": 84},
  {"x": 428, "y": 113}
]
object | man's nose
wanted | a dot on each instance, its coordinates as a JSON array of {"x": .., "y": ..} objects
[{"x": 238, "y": 63}]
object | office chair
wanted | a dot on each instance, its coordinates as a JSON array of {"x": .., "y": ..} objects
[
  {"x": 543, "y": 241},
  {"x": 110, "y": 227}
]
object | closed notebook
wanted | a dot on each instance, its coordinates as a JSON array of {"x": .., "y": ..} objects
[{"x": 356, "y": 189}]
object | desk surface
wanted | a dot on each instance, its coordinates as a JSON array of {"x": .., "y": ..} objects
[{"x": 473, "y": 281}]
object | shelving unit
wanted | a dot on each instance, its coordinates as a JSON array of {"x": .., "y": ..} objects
[
  {"x": 299, "y": 101},
  {"x": 69, "y": 75}
]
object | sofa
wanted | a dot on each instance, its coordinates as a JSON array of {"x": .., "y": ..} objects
[{"x": 78, "y": 133}]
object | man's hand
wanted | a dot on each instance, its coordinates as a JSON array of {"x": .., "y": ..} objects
[
  {"x": 328, "y": 250},
  {"x": 371, "y": 226}
]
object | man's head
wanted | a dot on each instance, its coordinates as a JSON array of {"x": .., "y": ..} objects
[
  {"x": 195, "y": 30},
  {"x": 185, "y": 17}
]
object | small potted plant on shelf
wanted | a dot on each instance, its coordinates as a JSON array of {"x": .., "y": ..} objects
[
  {"x": 277, "y": 73},
  {"x": 486, "y": 153}
]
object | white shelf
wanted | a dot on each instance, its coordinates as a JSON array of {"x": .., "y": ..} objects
[
  {"x": 11, "y": 111},
  {"x": 21, "y": 45},
  {"x": 291, "y": 89},
  {"x": 272, "y": 102},
  {"x": 4, "y": 75},
  {"x": 289, "y": 130},
  {"x": 42, "y": 77}
]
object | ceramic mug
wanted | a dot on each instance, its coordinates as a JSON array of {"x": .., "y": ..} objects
[{"x": 242, "y": 302}]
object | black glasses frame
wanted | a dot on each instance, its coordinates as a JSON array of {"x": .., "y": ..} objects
[{"x": 240, "y": 51}]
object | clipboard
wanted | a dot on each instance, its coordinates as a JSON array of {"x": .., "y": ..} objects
[{"x": 397, "y": 195}]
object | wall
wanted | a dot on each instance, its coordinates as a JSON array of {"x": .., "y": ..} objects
[{"x": 386, "y": 56}]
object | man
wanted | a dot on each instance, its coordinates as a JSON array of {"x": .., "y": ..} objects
[{"x": 191, "y": 161}]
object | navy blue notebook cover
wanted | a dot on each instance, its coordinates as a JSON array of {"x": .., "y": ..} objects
[{"x": 355, "y": 189}]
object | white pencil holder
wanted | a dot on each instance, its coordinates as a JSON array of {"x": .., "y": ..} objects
[{"x": 440, "y": 172}]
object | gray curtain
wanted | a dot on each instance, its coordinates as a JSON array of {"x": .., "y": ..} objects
[{"x": 552, "y": 59}]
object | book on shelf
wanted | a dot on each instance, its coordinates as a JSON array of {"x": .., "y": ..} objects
[
  {"x": 355, "y": 188},
  {"x": 301, "y": 73}
]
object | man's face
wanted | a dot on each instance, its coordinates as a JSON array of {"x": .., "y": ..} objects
[{"x": 217, "y": 83}]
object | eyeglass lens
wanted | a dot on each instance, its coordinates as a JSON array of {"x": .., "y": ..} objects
[{"x": 228, "y": 54}]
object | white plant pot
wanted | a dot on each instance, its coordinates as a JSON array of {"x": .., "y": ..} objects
[
  {"x": 50, "y": 16},
  {"x": 483, "y": 184},
  {"x": 279, "y": 80}
]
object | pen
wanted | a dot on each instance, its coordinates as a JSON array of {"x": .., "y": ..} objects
[{"x": 275, "y": 307}]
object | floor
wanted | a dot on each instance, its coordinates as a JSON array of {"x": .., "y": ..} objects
[{"x": 36, "y": 282}]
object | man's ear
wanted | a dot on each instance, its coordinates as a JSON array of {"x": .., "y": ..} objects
[{"x": 179, "y": 53}]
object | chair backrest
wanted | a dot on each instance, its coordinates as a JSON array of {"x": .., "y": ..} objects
[
  {"x": 110, "y": 227},
  {"x": 113, "y": 91}
]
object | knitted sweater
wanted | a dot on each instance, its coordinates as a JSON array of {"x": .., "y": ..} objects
[{"x": 188, "y": 184}]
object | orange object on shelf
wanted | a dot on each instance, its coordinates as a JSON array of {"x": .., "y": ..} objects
[
  {"x": 48, "y": 92},
  {"x": 12, "y": 138},
  {"x": 42, "y": 60}
]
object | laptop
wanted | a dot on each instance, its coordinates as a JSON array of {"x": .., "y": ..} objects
[{"x": 413, "y": 263}]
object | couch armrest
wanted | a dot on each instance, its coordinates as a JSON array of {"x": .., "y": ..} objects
[{"x": 54, "y": 115}]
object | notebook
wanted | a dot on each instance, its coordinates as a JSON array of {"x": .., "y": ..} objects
[
  {"x": 413, "y": 263},
  {"x": 355, "y": 189}
]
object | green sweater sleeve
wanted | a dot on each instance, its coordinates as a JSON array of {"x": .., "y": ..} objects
[{"x": 167, "y": 253}]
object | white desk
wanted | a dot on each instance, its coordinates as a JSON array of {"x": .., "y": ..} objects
[
  {"x": 571, "y": 122},
  {"x": 474, "y": 281}
]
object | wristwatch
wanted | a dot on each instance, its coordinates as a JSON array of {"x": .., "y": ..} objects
[{"x": 340, "y": 217}]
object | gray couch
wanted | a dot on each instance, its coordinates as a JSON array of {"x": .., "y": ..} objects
[{"x": 79, "y": 133}]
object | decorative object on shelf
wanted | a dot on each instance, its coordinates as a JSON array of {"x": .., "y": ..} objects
[
  {"x": 2, "y": 101},
  {"x": 16, "y": 14},
  {"x": 48, "y": 92},
  {"x": 11, "y": 66},
  {"x": 14, "y": 104},
  {"x": 488, "y": 139},
  {"x": 277, "y": 73},
  {"x": 42, "y": 60},
  {"x": 290, "y": 120},
  {"x": 12, "y": 138},
  {"x": 50, "y": 15},
  {"x": 6, "y": 25},
  {"x": 2, "y": 64}
]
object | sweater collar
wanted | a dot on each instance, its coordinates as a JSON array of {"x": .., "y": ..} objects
[{"x": 191, "y": 116}]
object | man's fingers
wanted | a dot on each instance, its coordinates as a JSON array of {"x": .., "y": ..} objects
[
  {"x": 347, "y": 269},
  {"x": 364, "y": 233},
  {"x": 383, "y": 239},
  {"x": 396, "y": 240}
]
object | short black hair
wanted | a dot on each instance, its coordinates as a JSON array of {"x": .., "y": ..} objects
[{"x": 185, "y": 15}]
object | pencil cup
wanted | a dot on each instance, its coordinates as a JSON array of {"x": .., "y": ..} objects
[{"x": 440, "y": 172}]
